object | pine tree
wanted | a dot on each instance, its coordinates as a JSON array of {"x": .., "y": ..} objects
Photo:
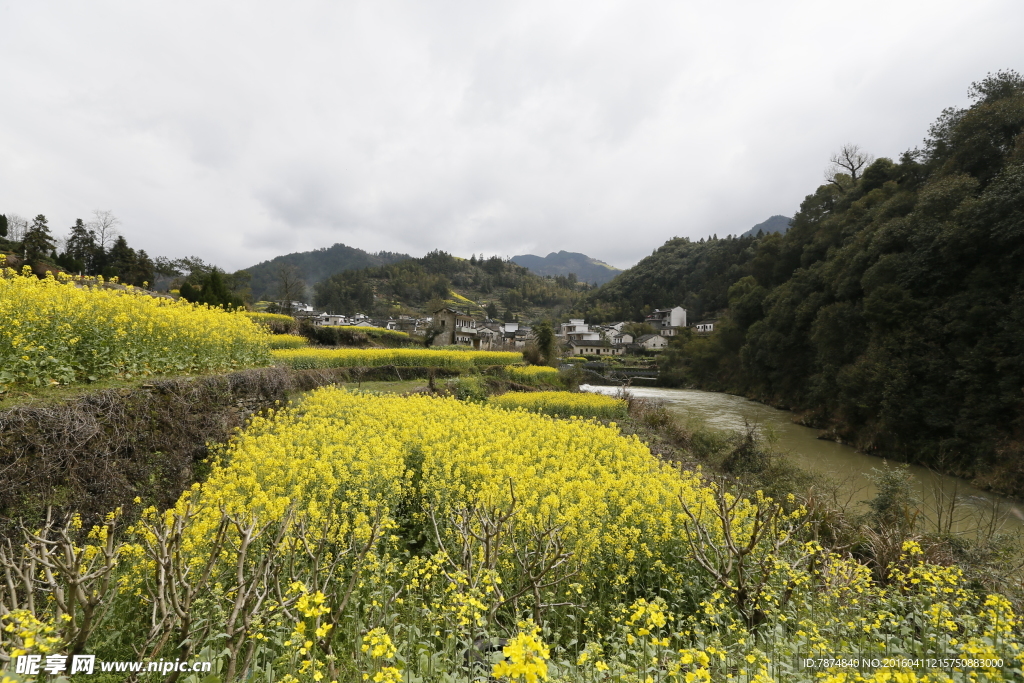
[
  {"x": 122, "y": 259},
  {"x": 81, "y": 247},
  {"x": 38, "y": 242},
  {"x": 214, "y": 291},
  {"x": 145, "y": 270},
  {"x": 189, "y": 293}
]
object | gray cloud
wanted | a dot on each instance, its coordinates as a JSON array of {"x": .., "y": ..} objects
[{"x": 238, "y": 131}]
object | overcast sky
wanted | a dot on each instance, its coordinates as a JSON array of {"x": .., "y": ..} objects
[{"x": 237, "y": 131}]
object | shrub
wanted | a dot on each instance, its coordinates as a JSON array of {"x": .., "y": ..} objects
[
  {"x": 274, "y": 322},
  {"x": 350, "y": 335}
]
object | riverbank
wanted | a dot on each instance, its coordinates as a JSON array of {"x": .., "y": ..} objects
[
  {"x": 849, "y": 468},
  {"x": 859, "y": 504},
  {"x": 1000, "y": 470}
]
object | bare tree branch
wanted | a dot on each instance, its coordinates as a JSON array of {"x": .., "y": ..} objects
[
  {"x": 105, "y": 226},
  {"x": 845, "y": 165}
]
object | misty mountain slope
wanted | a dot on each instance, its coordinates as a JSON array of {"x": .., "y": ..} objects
[
  {"x": 778, "y": 224},
  {"x": 563, "y": 263},
  {"x": 314, "y": 266}
]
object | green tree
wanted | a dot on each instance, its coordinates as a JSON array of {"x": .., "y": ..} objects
[
  {"x": 144, "y": 271},
  {"x": 638, "y": 330},
  {"x": 545, "y": 340},
  {"x": 3, "y": 225},
  {"x": 121, "y": 259},
  {"x": 69, "y": 264},
  {"x": 213, "y": 291},
  {"x": 239, "y": 284},
  {"x": 80, "y": 247},
  {"x": 190, "y": 293},
  {"x": 38, "y": 242},
  {"x": 745, "y": 301}
]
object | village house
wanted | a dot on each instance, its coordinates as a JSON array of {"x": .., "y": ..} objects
[
  {"x": 455, "y": 327},
  {"x": 667, "y": 321},
  {"x": 577, "y": 330},
  {"x": 329, "y": 320},
  {"x": 489, "y": 338},
  {"x": 594, "y": 348},
  {"x": 408, "y": 324},
  {"x": 522, "y": 336},
  {"x": 622, "y": 338},
  {"x": 293, "y": 306},
  {"x": 705, "y": 326},
  {"x": 512, "y": 335},
  {"x": 652, "y": 342}
]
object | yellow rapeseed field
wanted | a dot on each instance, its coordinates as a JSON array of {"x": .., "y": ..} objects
[
  {"x": 60, "y": 332},
  {"x": 288, "y": 341},
  {"x": 269, "y": 318},
  {"x": 531, "y": 371},
  {"x": 563, "y": 403},
  {"x": 341, "y": 358},
  {"x": 363, "y": 537}
]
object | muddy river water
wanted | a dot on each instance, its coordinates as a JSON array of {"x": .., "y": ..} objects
[{"x": 842, "y": 464}]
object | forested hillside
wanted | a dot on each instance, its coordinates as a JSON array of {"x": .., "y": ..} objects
[
  {"x": 773, "y": 224},
  {"x": 490, "y": 286},
  {"x": 569, "y": 263},
  {"x": 892, "y": 310},
  {"x": 695, "y": 275},
  {"x": 313, "y": 266}
]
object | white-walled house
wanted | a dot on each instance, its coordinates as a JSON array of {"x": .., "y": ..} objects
[
  {"x": 667, "y": 321},
  {"x": 328, "y": 320},
  {"x": 577, "y": 330},
  {"x": 705, "y": 326}
]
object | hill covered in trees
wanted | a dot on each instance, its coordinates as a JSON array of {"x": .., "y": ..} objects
[
  {"x": 310, "y": 267},
  {"x": 490, "y": 287},
  {"x": 569, "y": 263},
  {"x": 773, "y": 224},
  {"x": 892, "y": 311}
]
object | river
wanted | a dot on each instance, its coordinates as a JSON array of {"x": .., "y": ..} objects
[{"x": 842, "y": 464}]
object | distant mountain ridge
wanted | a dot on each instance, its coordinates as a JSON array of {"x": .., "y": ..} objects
[
  {"x": 774, "y": 224},
  {"x": 587, "y": 269},
  {"x": 315, "y": 266}
]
